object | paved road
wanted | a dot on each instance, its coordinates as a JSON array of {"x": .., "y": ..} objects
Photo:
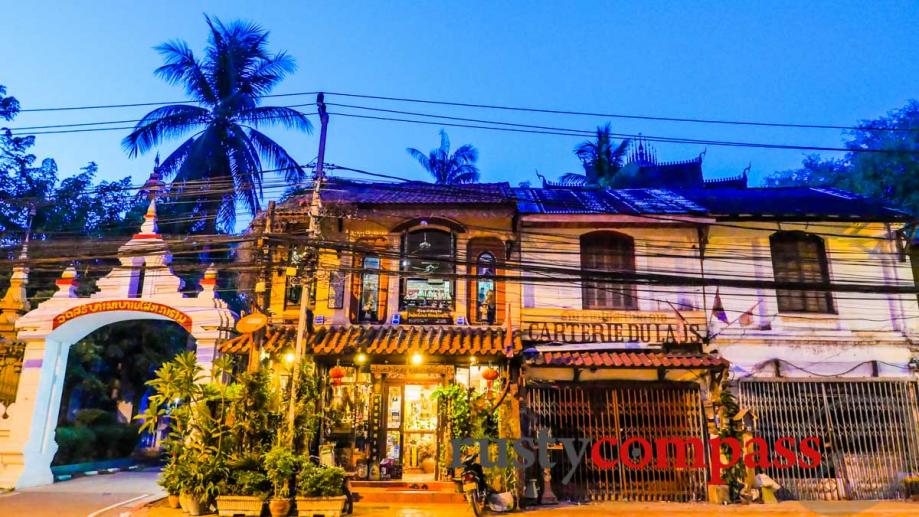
[{"x": 109, "y": 495}]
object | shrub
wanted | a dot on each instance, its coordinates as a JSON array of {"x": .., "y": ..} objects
[
  {"x": 94, "y": 417},
  {"x": 281, "y": 464},
  {"x": 75, "y": 444},
  {"x": 315, "y": 481}
]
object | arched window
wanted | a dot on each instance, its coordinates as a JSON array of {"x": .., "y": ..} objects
[
  {"x": 607, "y": 252},
  {"x": 369, "y": 307},
  {"x": 428, "y": 266},
  {"x": 800, "y": 257},
  {"x": 485, "y": 289}
]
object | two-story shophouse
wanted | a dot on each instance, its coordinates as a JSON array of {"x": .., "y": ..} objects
[
  {"x": 412, "y": 292},
  {"x": 634, "y": 301}
]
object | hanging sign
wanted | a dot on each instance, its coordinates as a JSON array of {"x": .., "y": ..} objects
[
  {"x": 598, "y": 326},
  {"x": 251, "y": 323},
  {"x": 123, "y": 305}
]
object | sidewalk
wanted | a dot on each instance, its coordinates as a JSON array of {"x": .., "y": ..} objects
[{"x": 836, "y": 508}]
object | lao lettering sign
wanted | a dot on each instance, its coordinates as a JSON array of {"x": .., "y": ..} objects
[
  {"x": 593, "y": 326},
  {"x": 123, "y": 305}
]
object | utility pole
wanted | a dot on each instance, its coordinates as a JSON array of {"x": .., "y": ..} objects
[
  {"x": 265, "y": 260},
  {"x": 309, "y": 273}
]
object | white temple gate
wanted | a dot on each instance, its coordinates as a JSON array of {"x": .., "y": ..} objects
[{"x": 142, "y": 286}]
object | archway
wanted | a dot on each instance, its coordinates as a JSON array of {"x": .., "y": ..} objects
[{"x": 142, "y": 287}]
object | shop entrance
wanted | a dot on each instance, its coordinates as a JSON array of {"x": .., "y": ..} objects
[{"x": 410, "y": 428}]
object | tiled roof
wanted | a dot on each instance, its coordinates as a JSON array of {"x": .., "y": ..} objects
[
  {"x": 783, "y": 203},
  {"x": 628, "y": 359},
  {"x": 413, "y": 193},
  {"x": 386, "y": 339}
]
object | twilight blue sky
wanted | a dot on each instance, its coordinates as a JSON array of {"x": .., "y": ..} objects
[{"x": 805, "y": 62}]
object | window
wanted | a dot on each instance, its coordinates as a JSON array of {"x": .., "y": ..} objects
[
  {"x": 485, "y": 292},
  {"x": 370, "y": 290},
  {"x": 800, "y": 257},
  {"x": 292, "y": 289},
  {"x": 607, "y": 252},
  {"x": 427, "y": 265}
]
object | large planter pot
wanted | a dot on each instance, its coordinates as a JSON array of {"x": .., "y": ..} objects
[
  {"x": 230, "y": 505},
  {"x": 196, "y": 506},
  {"x": 279, "y": 507},
  {"x": 172, "y": 500},
  {"x": 183, "y": 501},
  {"x": 327, "y": 506},
  {"x": 428, "y": 465}
]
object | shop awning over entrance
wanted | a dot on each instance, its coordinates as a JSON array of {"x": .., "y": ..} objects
[
  {"x": 387, "y": 339},
  {"x": 628, "y": 359}
]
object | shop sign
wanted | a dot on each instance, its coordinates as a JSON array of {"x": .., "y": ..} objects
[
  {"x": 428, "y": 315},
  {"x": 592, "y": 326},
  {"x": 123, "y": 305}
]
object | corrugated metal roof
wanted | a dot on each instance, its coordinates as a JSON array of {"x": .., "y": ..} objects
[{"x": 784, "y": 202}]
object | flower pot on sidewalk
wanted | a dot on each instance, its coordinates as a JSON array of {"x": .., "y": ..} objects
[
  {"x": 230, "y": 505},
  {"x": 328, "y": 506},
  {"x": 172, "y": 500},
  {"x": 279, "y": 507}
]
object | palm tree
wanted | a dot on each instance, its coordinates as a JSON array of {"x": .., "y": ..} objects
[
  {"x": 449, "y": 169},
  {"x": 220, "y": 164},
  {"x": 601, "y": 161}
]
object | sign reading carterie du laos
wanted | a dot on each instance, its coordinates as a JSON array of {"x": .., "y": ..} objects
[
  {"x": 123, "y": 305},
  {"x": 597, "y": 326}
]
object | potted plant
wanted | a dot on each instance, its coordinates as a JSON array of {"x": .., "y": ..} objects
[
  {"x": 426, "y": 453},
  {"x": 170, "y": 480},
  {"x": 320, "y": 490},
  {"x": 244, "y": 493},
  {"x": 280, "y": 465}
]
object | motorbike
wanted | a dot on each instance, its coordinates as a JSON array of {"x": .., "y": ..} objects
[{"x": 481, "y": 496}]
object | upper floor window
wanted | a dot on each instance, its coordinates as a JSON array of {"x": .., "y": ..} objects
[
  {"x": 607, "y": 252},
  {"x": 369, "y": 282},
  {"x": 485, "y": 292},
  {"x": 800, "y": 257},
  {"x": 428, "y": 266},
  {"x": 369, "y": 310}
]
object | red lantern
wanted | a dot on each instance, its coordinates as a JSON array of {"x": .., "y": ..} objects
[
  {"x": 489, "y": 374},
  {"x": 336, "y": 374}
]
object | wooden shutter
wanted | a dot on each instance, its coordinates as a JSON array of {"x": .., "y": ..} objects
[
  {"x": 798, "y": 257},
  {"x": 607, "y": 252}
]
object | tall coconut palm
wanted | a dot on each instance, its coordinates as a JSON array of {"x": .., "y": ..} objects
[
  {"x": 449, "y": 169},
  {"x": 599, "y": 158},
  {"x": 221, "y": 163}
]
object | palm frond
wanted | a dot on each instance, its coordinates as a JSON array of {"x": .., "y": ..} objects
[
  {"x": 573, "y": 179},
  {"x": 164, "y": 122},
  {"x": 182, "y": 67},
  {"x": 277, "y": 156},
  {"x": 276, "y": 115}
]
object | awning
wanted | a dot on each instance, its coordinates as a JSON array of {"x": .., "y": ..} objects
[
  {"x": 629, "y": 359},
  {"x": 386, "y": 340}
]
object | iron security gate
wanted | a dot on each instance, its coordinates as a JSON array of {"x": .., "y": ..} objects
[
  {"x": 621, "y": 411},
  {"x": 869, "y": 429}
]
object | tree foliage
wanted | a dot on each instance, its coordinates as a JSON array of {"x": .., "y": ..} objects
[
  {"x": 449, "y": 168},
  {"x": 600, "y": 159},
  {"x": 892, "y": 175},
  {"x": 221, "y": 163}
]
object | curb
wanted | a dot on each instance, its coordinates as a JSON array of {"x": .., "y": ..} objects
[{"x": 89, "y": 473}]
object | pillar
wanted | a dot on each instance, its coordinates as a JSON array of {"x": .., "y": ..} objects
[{"x": 26, "y": 454}]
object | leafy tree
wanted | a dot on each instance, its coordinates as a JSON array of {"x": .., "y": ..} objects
[
  {"x": 600, "y": 159},
  {"x": 449, "y": 169},
  {"x": 892, "y": 175},
  {"x": 221, "y": 163}
]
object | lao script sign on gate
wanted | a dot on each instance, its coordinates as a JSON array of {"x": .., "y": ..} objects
[{"x": 123, "y": 305}]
